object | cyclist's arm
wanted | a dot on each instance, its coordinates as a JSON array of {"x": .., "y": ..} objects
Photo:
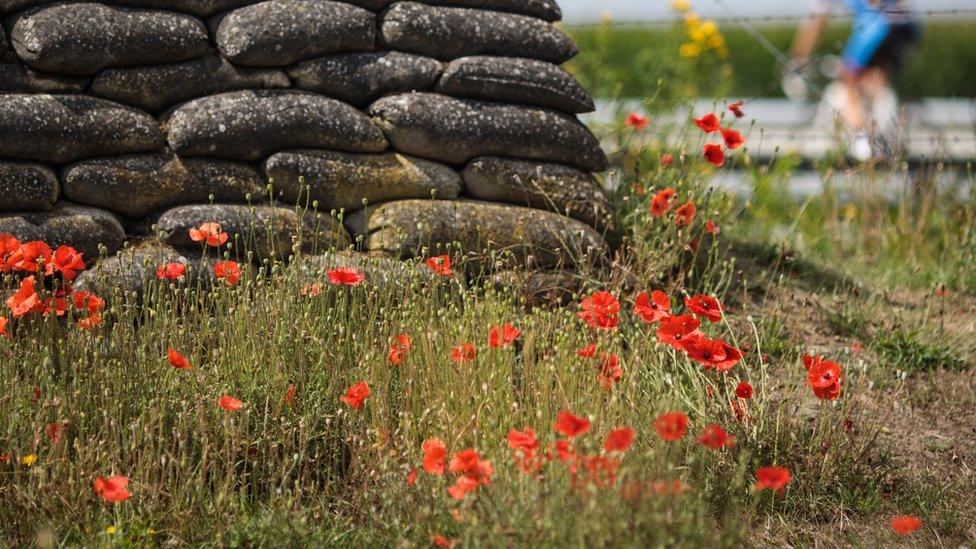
[{"x": 808, "y": 34}]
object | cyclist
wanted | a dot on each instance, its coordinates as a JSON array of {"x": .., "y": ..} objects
[{"x": 882, "y": 36}]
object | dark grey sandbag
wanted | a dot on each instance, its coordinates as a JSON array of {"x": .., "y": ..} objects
[
  {"x": 541, "y": 288},
  {"x": 341, "y": 180},
  {"x": 138, "y": 185},
  {"x": 160, "y": 86},
  {"x": 456, "y": 130},
  {"x": 84, "y": 228},
  {"x": 266, "y": 231},
  {"x": 449, "y": 33},
  {"x": 514, "y": 80},
  {"x": 57, "y": 129},
  {"x": 547, "y": 10},
  {"x": 553, "y": 187},
  {"x": 16, "y": 77},
  {"x": 276, "y": 33},
  {"x": 203, "y": 8},
  {"x": 519, "y": 236},
  {"x": 361, "y": 78},
  {"x": 250, "y": 125},
  {"x": 381, "y": 272},
  {"x": 84, "y": 38},
  {"x": 27, "y": 187}
]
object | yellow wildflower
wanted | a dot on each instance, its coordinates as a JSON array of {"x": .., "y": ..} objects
[
  {"x": 689, "y": 50},
  {"x": 111, "y": 530},
  {"x": 29, "y": 459},
  {"x": 680, "y": 5}
]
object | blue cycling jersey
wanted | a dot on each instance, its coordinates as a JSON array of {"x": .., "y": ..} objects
[{"x": 872, "y": 25}]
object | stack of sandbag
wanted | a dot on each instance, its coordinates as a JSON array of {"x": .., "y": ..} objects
[{"x": 399, "y": 128}]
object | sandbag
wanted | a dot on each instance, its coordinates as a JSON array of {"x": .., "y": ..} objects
[
  {"x": 132, "y": 269},
  {"x": 517, "y": 236},
  {"x": 546, "y": 10},
  {"x": 27, "y": 187},
  {"x": 449, "y": 33},
  {"x": 203, "y": 8},
  {"x": 552, "y": 187},
  {"x": 136, "y": 186},
  {"x": 456, "y": 130},
  {"x": 157, "y": 87},
  {"x": 266, "y": 231},
  {"x": 84, "y": 38},
  {"x": 345, "y": 181},
  {"x": 514, "y": 80},
  {"x": 276, "y": 33},
  {"x": 57, "y": 129},
  {"x": 16, "y": 77},
  {"x": 250, "y": 125},
  {"x": 361, "y": 78},
  {"x": 86, "y": 229}
]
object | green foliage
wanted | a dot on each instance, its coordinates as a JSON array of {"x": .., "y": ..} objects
[
  {"x": 913, "y": 350},
  {"x": 633, "y": 61}
]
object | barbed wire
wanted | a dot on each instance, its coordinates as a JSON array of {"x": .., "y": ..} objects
[{"x": 927, "y": 14}]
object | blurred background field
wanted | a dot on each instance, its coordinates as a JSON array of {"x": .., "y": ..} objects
[{"x": 620, "y": 59}]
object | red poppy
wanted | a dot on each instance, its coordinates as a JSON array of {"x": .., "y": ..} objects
[
  {"x": 86, "y": 300},
  {"x": 743, "y": 390},
  {"x": 463, "y": 353},
  {"x": 619, "y": 440},
  {"x": 25, "y": 300},
  {"x": 708, "y": 123},
  {"x": 434, "y": 454},
  {"x": 711, "y": 227},
  {"x": 942, "y": 291},
  {"x": 587, "y": 352},
  {"x": 67, "y": 261},
  {"x": 3, "y": 326},
  {"x": 469, "y": 463},
  {"x": 685, "y": 214},
  {"x": 53, "y": 431},
  {"x": 289, "y": 397},
  {"x": 441, "y": 265},
  {"x": 823, "y": 376},
  {"x": 229, "y": 271},
  {"x": 652, "y": 308},
  {"x": 229, "y": 403},
  {"x": 904, "y": 525},
  {"x": 857, "y": 347},
  {"x": 667, "y": 159},
  {"x": 637, "y": 121},
  {"x": 600, "y": 471},
  {"x": 570, "y": 425},
  {"x": 564, "y": 451},
  {"x": 705, "y": 306},
  {"x": 715, "y": 437},
  {"x": 772, "y": 478},
  {"x": 674, "y": 329},
  {"x": 112, "y": 489},
  {"x": 399, "y": 348},
  {"x": 462, "y": 486},
  {"x": 8, "y": 245},
  {"x": 609, "y": 370},
  {"x": 58, "y": 303},
  {"x": 524, "y": 446},
  {"x": 171, "y": 271},
  {"x": 177, "y": 360},
  {"x": 671, "y": 426},
  {"x": 346, "y": 276},
  {"x": 212, "y": 233},
  {"x": 600, "y": 310},
  {"x": 703, "y": 349},
  {"x": 670, "y": 488},
  {"x": 736, "y": 109},
  {"x": 502, "y": 336},
  {"x": 89, "y": 322},
  {"x": 732, "y": 357},
  {"x": 356, "y": 395},
  {"x": 412, "y": 476},
  {"x": 733, "y": 139},
  {"x": 29, "y": 256},
  {"x": 662, "y": 202},
  {"x": 714, "y": 154},
  {"x": 442, "y": 542}
]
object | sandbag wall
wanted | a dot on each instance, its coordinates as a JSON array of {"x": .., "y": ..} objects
[{"x": 425, "y": 123}]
